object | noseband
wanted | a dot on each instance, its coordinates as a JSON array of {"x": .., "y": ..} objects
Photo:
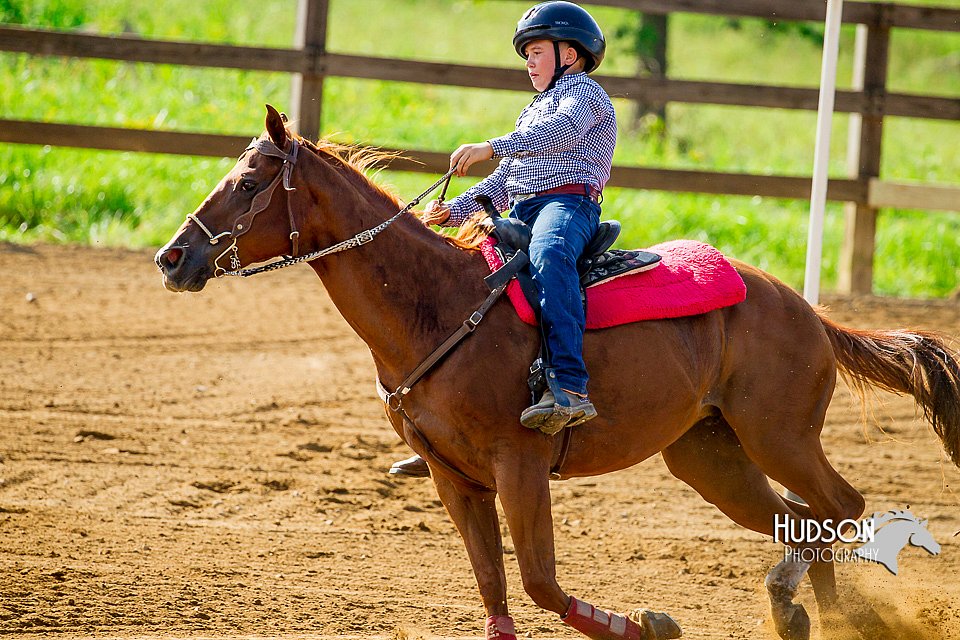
[{"x": 262, "y": 200}]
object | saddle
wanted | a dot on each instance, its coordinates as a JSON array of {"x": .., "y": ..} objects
[{"x": 597, "y": 264}]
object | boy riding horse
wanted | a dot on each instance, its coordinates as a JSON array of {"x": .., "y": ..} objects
[{"x": 552, "y": 171}]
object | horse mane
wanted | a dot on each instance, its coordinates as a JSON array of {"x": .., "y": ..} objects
[{"x": 360, "y": 159}]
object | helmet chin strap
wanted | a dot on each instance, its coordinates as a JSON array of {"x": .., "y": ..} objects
[{"x": 560, "y": 69}]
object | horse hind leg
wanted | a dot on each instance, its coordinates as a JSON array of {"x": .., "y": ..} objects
[
  {"x": 778, "y": 418},
  {"x": 776, "y": 400},
  {"x": 783, "y": 580},
  {"x": 710, "y": 458},
  {"x": 822, "y": 573},
  {"x": 795, "y": 458}
]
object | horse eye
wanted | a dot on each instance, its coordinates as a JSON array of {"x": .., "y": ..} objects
[{"x": 247, "y": 185}]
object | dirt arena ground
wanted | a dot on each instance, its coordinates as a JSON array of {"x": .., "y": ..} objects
[{"x": 213, "y": 465}]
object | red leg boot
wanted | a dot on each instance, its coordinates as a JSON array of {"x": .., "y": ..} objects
[
  {"x": 500, "y": 628},
  {"x": 606, "y": 625}
]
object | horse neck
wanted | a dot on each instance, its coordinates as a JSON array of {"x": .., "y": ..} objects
[{"x": 404, "y": 291}]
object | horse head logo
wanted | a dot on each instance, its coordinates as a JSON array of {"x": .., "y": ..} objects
[{"x": 893, "y": 530}]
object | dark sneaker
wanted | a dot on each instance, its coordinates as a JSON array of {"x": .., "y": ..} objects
[
  {"x": 552, "y": 414},
  {"x": 413, "y": 467}
]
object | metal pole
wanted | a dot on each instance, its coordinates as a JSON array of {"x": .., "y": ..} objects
[{"x": 821, "y": 160}]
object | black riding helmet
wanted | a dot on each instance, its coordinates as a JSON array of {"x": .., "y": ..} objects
[{"x": 562, "y": 22}]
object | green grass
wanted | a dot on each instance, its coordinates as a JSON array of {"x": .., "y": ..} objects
[{"x": 112, "y": 198}]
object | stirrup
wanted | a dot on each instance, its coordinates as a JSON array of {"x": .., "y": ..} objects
[{"x": 551, "y": 417}]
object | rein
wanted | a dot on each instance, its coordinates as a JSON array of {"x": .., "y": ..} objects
[{"x": 260, "y": 202}]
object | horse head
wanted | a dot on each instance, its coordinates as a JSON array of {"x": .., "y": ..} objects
[{"x": 243, "y": 220}]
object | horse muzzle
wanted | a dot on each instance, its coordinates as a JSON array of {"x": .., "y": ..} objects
[{"x": 183, "y": 269}]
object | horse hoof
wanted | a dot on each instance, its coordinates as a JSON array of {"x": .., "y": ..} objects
[
  {"x": 656, "y": 626},
  {"x": 794, "y": 624}
]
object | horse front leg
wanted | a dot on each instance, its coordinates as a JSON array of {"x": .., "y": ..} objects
[
  {"x": 475, "y": 515},
  {"x": 524, "y": 492}
]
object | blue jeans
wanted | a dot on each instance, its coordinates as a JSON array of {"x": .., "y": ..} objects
[{"x": 562, "y": 226}]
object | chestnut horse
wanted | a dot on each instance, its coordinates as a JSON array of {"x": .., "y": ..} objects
[{"x": 729, "y": 397}]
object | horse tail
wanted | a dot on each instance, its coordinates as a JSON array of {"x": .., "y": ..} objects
[{"x": 915, "y": 362}]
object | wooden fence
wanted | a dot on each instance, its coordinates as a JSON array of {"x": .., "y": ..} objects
[{"x": 310, "y": 63}]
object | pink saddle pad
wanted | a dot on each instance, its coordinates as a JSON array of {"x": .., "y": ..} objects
[{"x": 692, "y": 278}]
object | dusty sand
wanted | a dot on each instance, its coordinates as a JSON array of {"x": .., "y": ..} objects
[{"x": 213, "y": 465}]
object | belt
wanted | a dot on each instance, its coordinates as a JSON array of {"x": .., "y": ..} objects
[{"x": 571, "y": 189}]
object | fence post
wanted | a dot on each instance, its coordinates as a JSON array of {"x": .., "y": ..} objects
[
  {"x": 856, "y": 259},
  {"x": 306, "y": 91},
  {"x": 652, "y": 45}
]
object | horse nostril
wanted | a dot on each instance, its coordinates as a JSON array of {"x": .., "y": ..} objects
[{"x": 171, "y": 258}]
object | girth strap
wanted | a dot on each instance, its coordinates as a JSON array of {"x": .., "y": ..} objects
[{"x": 435, "y": 458}]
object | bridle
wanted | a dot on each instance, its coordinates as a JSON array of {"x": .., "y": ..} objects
[
  {"x": 394, "y": 401},
  {"x": 261, "y": 201}
]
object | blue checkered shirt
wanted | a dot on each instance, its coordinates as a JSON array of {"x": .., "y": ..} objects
[{"x": 565, "y": 136}]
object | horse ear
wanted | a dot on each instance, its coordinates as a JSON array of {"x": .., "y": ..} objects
[{"x": 275, "y": 127}]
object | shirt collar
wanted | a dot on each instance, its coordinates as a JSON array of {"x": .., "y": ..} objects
[
  {"x": 569, "y": 77},
  {"x": 562, "y": 80}
]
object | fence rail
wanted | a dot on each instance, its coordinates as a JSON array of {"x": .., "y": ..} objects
[
  {"x": 868, "y": 13},
  {"x": 310, "y": 63},
  {"x": 197, "y": 144},
  {"x": 133, "y": 49}
]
